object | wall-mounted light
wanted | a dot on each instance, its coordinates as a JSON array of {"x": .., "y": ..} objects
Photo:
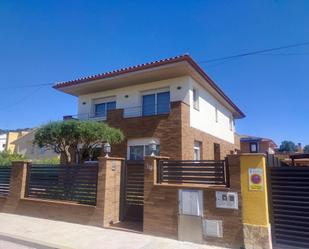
[
  {"x": 152, "y": 147},
  {"x": 107, "y": 149}
]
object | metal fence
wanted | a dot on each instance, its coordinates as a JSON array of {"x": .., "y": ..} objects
[
  {"x": 193, "y": 172},
  {"x": 274, "y": 161},
  {"x": 76, "y": 183},
  {"x": 5, "y": 176},
  {"x": 289, "y": 206}
]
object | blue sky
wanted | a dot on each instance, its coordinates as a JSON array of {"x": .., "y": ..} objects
[{"x": 47, "y": 41}]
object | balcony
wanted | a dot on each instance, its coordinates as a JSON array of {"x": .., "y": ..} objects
[{"x": 129, "y": 112}]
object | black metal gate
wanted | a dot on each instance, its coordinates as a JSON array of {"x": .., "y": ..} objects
[
  {"x": 132, "y": 191},
  {"x": 289, "y": 206}
]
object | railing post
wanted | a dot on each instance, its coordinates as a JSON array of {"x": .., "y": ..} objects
[
  {"x": 159, "y": 164},
  {"x": 227, "y": 172},
  {"x": 27, "y": 179}
]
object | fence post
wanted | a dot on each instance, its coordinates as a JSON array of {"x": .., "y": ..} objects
[
  {"x": 227, "y": 172},
  {"x": 18, "y": 184},
  {"x": 256, "y": 223},
  {"x": 108, "y": 189}
]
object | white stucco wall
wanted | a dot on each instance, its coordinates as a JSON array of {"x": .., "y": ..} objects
[
  {"x": 204, "y": 119},
  {"x": 133, "y": 102},
  {"x": 24, "y": 146}
]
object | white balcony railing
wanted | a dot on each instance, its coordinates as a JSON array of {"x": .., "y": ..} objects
[{"x": 128, "y": 112}]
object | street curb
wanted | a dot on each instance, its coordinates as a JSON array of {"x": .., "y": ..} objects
[{"x": 38, "y": 244}]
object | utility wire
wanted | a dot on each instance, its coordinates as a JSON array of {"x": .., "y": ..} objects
[
  {"x": 220, "y": 60},
  {"x": 26, "y": 97},
  {"x": 255, "y": 52},
  {"x": 25, "y": 86}
]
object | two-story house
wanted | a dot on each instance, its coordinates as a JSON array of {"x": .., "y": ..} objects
[
  {"x": 252, "y": 144},
  {"x": 172, "y": 102}
]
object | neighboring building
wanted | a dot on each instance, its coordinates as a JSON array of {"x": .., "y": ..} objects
[
  {"x": 24, "y": 146},
  {"x": 2, "y": 141},
  {"x": 252, "y": 144},
  {"x": 171, "y": 101},
  {"x": 286, "y": 155},
  {"x": 11, "y": 137}
]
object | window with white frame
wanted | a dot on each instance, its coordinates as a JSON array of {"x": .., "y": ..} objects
[
  {"x": 253, "y": 147},
  {"x": 231, "y": 121},
  {"x": 156, "y": 102},
  {"x": 216, "y": 114},
  {"x": 103, "y": 105},
  {"x": 139, "y": 148},
  {"x": 196, "y": 103},
  {"x": 197, "y": 150}
]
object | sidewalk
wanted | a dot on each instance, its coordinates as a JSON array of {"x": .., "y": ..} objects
[{"x": 57, "y": 234}]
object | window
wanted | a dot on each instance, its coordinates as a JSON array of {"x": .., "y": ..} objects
[
  {"x": 156, "y": 103},
  {"x": 100, "y": 109},
  {"x": 195, "y": 99},
  {"x": 216, "y": 114},
  {"x": 42, "y": 150},
  {"x": 197, "y": 150},
  {"x": 231, "y": 121},
  {"x": 138, "y": 152},
  {"x": 253, "y": 147}
]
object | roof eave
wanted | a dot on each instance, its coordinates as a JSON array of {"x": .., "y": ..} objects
[{"x": 238, "y": 114}]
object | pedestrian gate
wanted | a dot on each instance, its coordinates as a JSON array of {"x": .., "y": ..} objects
[
  {"x": 289, "y": 206},
  {"x": 132, "y": 191}
]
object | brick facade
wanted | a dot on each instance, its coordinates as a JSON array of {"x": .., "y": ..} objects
[
  {"x": 263, "y": 146},
  {"x": 167, "y": 128},
  {"x": 161, "y": 207},
  {"x": 160, "y": 202},
  {"x": 173, "y": 130},
  {"x": 190, "y": 134},
  {"x": 105, "y": 212}
]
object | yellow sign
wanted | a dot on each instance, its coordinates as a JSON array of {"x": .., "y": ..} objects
[{"x": 256, "y": 181}]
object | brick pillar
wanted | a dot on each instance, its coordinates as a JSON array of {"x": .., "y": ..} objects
[
  {"x": 18, "y": 179},
  {"x": 256, "y": 224},
  {"x": 108, "y": 189},
  {"x": 17, "y": 185},
  {"x": 150, "y": 176},
  {"x": 160, "y": 203}
]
